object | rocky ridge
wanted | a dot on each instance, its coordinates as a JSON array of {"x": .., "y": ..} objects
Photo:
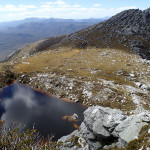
[{"x": 129, "y": 30}]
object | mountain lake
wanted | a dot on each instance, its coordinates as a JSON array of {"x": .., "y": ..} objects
[{"x": 48, "y": 114}]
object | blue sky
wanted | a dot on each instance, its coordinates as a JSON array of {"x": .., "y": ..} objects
[{"x": 69, "y": 9}]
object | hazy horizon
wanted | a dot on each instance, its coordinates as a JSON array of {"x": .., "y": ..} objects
[
  {"x": 76, "y": 19},
  {"x": 11, "y": 10}
]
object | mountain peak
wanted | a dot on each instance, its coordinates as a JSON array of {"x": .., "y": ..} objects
[
  {"x": 146, "y": 14},
  {"x": 128, "y": 30},
  {"x": 147, "y": 10}
]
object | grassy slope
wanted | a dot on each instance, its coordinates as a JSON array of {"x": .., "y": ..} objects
[
  {"x": 91, "y": 65},
  {"x": 82, "y": 62}
]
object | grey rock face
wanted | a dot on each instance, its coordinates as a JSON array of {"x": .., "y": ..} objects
[
  {"x": 146, "y": 14},
  {"x": 129, "y": 128},
  {"x": 68, "y": 145},
  {"x": 127, "y": 27},
  {"x": 94, "y": 145},
  {"x": 146, "y": 118},
  {"x": 101, "y": 121},
  {"x": 88, "y": 135},
  {"x": 68, "y": 137}
]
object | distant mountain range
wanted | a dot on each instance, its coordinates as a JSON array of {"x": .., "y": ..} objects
[
  {"x": 16, "y": 34},
  {"x": 4, "y": 25}
]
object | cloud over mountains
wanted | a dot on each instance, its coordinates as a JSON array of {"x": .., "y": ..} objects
[{"x": 56, "y": 9}]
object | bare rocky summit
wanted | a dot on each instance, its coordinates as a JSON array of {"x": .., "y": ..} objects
[{"x": 129, "y": 29}]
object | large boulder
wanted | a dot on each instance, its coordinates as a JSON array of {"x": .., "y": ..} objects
[
  {"x": 101, "y": 121},
  {"x": 129, "y": 128},
  {"x": 90, "y": 138},
  {"x": 88, "y": 135}
]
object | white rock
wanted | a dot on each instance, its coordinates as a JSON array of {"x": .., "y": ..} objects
[
  {"x": 74, "y": 116},
  {"x": 132, "y": 75}
]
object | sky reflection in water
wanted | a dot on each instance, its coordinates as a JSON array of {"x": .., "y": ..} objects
[{"x": 27, "y": 106}]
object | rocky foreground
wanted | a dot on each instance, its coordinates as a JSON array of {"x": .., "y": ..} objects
[{"x": 108, "y": 128}]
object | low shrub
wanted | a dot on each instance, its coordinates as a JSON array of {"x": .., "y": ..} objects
[{"x": 16, "y": 138}]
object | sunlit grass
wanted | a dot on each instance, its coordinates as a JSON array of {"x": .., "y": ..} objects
[
  {"x": 92, "y": 62},
  {"x": 89, "y": 65}
]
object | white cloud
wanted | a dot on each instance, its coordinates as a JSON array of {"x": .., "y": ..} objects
[
  {"x": 97, "y": 5},
  {"x": 13, "y": 8},
  {"x": 59, "y": 2},
  {"x": 56, "y": 9},
  {"x": 74, "y": 11},
  {"x": 125, "y": 8},
  {"x": 77, "y": 6}
]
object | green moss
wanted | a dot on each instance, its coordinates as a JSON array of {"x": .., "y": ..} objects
[{"x": 75, "y": 139}]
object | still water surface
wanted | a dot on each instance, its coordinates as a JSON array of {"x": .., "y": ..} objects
[{"x": 27, "y": 106}]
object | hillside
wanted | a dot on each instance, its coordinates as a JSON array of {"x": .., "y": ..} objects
[
  {"x": 106, "y": 64},
  {"x": 129, "y": 30},
  {"x": 20, "y": 33}
]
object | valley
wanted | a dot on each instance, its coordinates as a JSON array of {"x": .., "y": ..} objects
[{"x": 14, "y": 35}]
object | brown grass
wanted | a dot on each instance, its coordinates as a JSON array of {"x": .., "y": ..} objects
[
  {"x": 90, "y": 64},
  {"x": 78, "y": 62}
]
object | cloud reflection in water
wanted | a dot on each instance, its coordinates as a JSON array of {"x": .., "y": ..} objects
[{"x": 27, "y": 106}]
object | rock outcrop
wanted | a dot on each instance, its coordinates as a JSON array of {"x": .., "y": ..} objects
[
  {"x": 104, "y": 128},
  {"x": 102, "y": 121},
  {"x": 129, "y": 128}
]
